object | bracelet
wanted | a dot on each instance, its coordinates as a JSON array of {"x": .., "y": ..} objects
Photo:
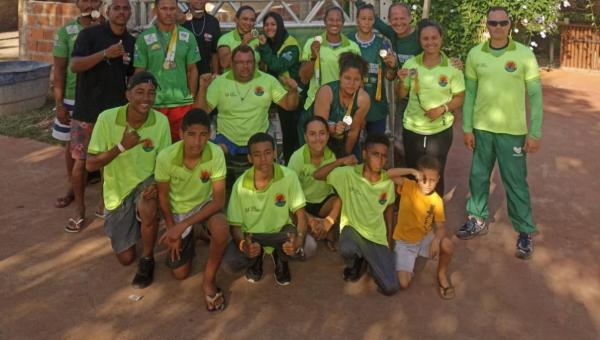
[
  {"x": 104, "y": 54},
  {"x": 330, "y": 219},
  {"x": 241, "y": 245},
  {"x": 446, "y": 108},
  {"x": 121, "y": 147}
]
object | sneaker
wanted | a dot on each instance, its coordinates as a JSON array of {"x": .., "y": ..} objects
[
  {"x": 282, "y": 270},
  {"x": 145, "y": 274},
  {"x": 255, "y": 272},
  {"x": 472, "y": 228},
  {"x": 354, "y": 272},
  {"x": 524, "y": 246}
]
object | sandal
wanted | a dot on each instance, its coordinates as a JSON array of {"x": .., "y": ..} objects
[
  {"x": 99, "y": 214},
  {"x": 446, "y": 293},
  {"x": 74, "y": 226},
  {"x": 212, "y": 304},
  {"x": 64, "y": 201}
]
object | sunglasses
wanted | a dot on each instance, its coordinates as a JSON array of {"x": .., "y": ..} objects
[{"x": 495, "y": 23}]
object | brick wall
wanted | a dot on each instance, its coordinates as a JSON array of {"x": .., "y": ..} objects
[{"x": 40, "y": 19}]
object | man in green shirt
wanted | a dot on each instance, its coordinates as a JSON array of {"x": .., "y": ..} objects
[
  {"x": 499, "y": 73},
  {"x": 65, "y": 81},
  {"x": 244, "y": 33},
  {"x": 124, "y": 143},
  {"x": 243, "y": 96},
  {"x": 366, "y": 222},
  {"x": 260, "y": 212},
  {"x": 191, "y": 190},
  {"x": 170, "y": 52}
]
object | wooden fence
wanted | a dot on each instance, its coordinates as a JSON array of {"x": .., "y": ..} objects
[{"x": 580, "y": 47}]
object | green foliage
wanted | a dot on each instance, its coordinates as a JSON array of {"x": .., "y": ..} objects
[
  {"x": 34, "y": 124},
  {"x": 464, "y": 20}
]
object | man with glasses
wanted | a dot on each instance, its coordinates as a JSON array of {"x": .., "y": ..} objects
[{"x": 498, "y": 73}]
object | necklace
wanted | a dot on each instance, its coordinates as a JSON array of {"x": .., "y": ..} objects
[
  {"x": 203, "y": 24},
  {"x": 239, "y": 94}
]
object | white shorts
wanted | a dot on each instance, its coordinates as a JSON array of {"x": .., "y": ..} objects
[{"x": 406, "y": 253}]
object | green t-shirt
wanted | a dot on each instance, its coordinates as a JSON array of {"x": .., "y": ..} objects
[
  {"x": 500, "y": 101},
  {"x": 188, "y": 188},
  {"x": 329, "y": 63},
  {"x": 405, "y": 47},
  {"x": 437, "y": 85},
  {"x": 133, "y": 166},
  {"x": 267, "y": 210},
  {"x": 286, "y": 62},
  {"x": 370, "y": 52},
  {"x": 363, "y": 202},
  {"x": 232, "y": 40},
  {"x": 314, "y": 190},
  {"x": 150, "y": 53},
  {"x": 64, "y": 40},
  {"x": 243, "y": 107}
]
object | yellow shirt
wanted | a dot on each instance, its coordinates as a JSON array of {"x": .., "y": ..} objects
[{"x": 417, "y": 212}]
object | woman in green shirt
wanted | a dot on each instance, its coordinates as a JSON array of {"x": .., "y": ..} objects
[
  {"x": 280, "y": 54},
  {"x": 344, "y": 104},
  {"x": 435, "y": 89}
]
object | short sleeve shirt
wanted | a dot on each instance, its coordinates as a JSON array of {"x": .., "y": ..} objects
[
  {"x": 363, "y": 202},
  {"x": 501, "y": 86},
  {"x": 232, "y": 39},
  {"x": 417, "y": 212},
  {"x": 267, "y": 210},
  {"x": 64, "y": 41},
  {"x": 189, "y": 188},
  {"x": 437, "y": 86},
  {"x": 207, "y": 32},
  {"x": 315, "y": 190},
  {"x": 150, "y": 53},
  {"x": 132, "y": 166},
  {"x": 243, "y": 107},
  {"x": 329, "y": 67}
]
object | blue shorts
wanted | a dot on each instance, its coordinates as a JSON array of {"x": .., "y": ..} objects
[{"x": 232, "y": 148}]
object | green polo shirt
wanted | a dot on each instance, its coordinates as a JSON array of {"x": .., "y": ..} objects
[
  {"x": 267, "y": 210},
  {"x": 314, "y": 190},
  {"x": 329, "y": 59},
  {"x": 64, "y": 40},
  {"x": 150, "y": 52},
  {"x": 188, "y": 188},
  {"x": 133, "y": 166},
  {"x": 232, "y": 39},
  {"x": 437, "y": 86},
  {"x": 243, "y": 107},
  {"x": 501, "y": 87},
  {"x": 363, "y": 202}
]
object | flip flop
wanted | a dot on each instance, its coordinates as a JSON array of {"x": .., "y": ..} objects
[
  {"x": 446, "y": 293},
  {"x": 64, "y": 201},
  {"x": 74, "y": 226},
  {"x": 99, "y": 214},
  {"x": 211, "y": 302}
]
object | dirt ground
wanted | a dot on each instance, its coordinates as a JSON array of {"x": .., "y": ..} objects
[{"x": 56, "y": 285}]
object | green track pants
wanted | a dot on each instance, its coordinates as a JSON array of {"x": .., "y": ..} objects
[{"x": 512, "y": 161}]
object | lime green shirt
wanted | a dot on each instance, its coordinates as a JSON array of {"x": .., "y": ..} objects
[
  {"x": 437, "y": 86},
  {"x": 267, "y": 210},
  {"x": 243, "y": 107},
  {"x": 232, "y": 40},
  {"x": 150, "y": 52},
  {"x": 64, "y": 40},
  {"x": 315, "y": 191},
  {"x": 501, "y": 80},
  {"x": 189, "y": 188},
  {"x": 363, "y": 202},
  {"x": 132, "y": 166},
  {"x": 329, "y": 63}
]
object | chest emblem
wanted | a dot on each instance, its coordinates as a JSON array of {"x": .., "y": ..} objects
[
  {"x": 147, "y": 145},
  {"x": 279, "y": 200},
  {"x": 204, "y": 176},
  {"x": 510, "y": 66},
  {"x": 383, "y": 198},
  {"x": 259, "y": 91},
  {"x": 443, "y": 81}
]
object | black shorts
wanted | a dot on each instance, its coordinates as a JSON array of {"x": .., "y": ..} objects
[
  {"x": 315, "y": 208},
  {"x": 185, "y": 255}
]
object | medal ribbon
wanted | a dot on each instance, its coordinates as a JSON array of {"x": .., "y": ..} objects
[
  {"x": 170, "y": 57},
  {"x": 379, "y": 84}
]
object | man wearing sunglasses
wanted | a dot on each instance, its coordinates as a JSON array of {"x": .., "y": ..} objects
[{"x": 498, "y": 74}]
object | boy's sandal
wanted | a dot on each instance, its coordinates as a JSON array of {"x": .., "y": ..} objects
[
  {"x": 99, "y": 214},
  {"x": 215, "y": 303},
  {"x": 446, "y": 293},
  {"x": 64, "y": 201},
  {"x": 74, "y": 226}
]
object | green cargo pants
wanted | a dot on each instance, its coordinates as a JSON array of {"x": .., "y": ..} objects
[{"x": 512, "y": 161}]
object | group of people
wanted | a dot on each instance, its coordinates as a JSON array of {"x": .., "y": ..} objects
[{"x": 143, "y": 110}]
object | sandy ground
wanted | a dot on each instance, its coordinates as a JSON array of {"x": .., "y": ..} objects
[{"x": 56, "y": 285}]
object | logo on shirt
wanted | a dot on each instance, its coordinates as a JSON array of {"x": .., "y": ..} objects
[
  {"x": 517, "y": 151},
  {"x": 383, "y": 198},
  {"x": 510, "y": 66},
  {"x": 259, "y": 91},
  {"x": 443, "y": 81},
  {"x": 150, "y": 38},
  {"x": 147, "y": 145},
  {"x": 208, "y": 37},
  {"x": 155, "y": 47},
  {"x": 204, "y": 176},
  {"x": 185, "y": 36},
  {"x": 72, "y": 29},
  {"x": 279, "y": 200},
  {"x": 287, "y": 56}
]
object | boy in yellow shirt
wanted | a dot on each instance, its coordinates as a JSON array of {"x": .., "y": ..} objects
[{"x": 420, "y": 209}]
